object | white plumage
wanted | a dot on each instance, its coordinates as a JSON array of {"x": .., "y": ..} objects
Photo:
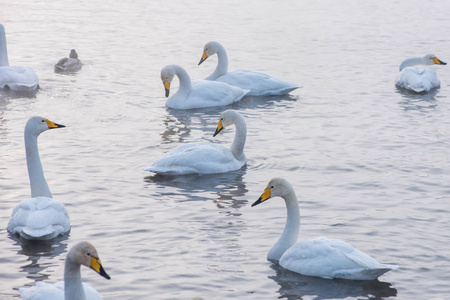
[
  {"x": 14, "y": 78},
  {"x": 198, "y": 93},
  {"x": 259, "y": 84},
  {"x": 321, "y": 257},
  {"x": 71, "y": 288},
  {"x": 40, "y": 217},
  {"x": 419, "y": 79},
  {"x": 202, "y": 158}
]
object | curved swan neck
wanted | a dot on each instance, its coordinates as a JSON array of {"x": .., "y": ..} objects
[
  {"x": 222, "y": 64},
  {"x": 237, "y": 147},
  {"x": 185, "y": 81},
  {"x": 414, "y": 61},
  {"x": 3, "y": 50},
  {"x": 291, "y": 230},
  {"x": 38, "y": 184},
  {"x": 73, "y": 287}
]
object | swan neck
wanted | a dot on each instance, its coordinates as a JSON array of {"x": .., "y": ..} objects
[
  {"x": 38, "y": 184},
  {"x": 73, "y": 287},
  {"x": 222, "y": 64},
  {"x": 237, "y": 147},
  {"x": 3, "y": 50},
  {"x": 410, "y": 62},
  {"x": 291, "y": 229},
  {"x": 185, "y": 81}
]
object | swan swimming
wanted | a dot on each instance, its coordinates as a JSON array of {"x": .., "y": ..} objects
[
  {"x": 69, "y": 64},
  {"x": 419, "y": 79},
  {"x": 320, "y": 257},
  {"x": 259, "y": 84},
  {"x": 198, "y": 93},
  {"x": 202, "y": 158},
  {"x": 71, "y": 288},
  {"x": 14, "y": 78},
  {"x": 41, "y": 217}
]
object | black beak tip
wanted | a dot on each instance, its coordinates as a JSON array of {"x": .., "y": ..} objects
[
  {"x": 217, "y": 131},
  {"x": 167, "y": 93},
  {"x": 103, "y": 273},
  {"x": 257, "y": 202}
]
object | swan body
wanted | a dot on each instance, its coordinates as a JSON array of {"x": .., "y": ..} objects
[
  {"x": 259, "y": 84},
  {"x": 40, "y": 217},
  {"x": 198, "y": 93},
  {"x": 202, "y": 158},
  {"x": 69, "y": 64},
  {"x": 320, "y": 257},
  {"x": 14, "y": 78},
  {"x": 419, "y": 79},
  {"x": 71, "y": 288}
]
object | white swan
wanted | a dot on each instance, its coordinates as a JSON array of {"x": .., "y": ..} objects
[
  {"x": 40, "y": 217},
  {"x": 69, "y": 64},
  {"x": 419, "y": 79},
  {"x": 201, "y": 158},
  {"x": 72, "y": 288},
  {"x": 198, "y": 93},
  {"x": 321, "y": 257},
  {"x": 14, "y": 78},
  {"x": 259, "y": 84}
]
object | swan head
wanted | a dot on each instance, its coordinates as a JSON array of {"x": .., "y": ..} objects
[
  {"x": 73, "y": 54},
  {"x": 210, "y": 48},
  {"x": 84, "y": 253},
  {"x": 227, "y": 118},
  {"x": 167, "y": 75},
  {"x": 37, "y": 125},
  {"x": 277, "y": 187},
  {"x": 431, "y": 59}
]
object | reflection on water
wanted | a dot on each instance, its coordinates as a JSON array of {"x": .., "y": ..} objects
[
  {"x": 36, "y": 250},
  {"x": 227, "y": 186},
  {"x": 417, "y": 101},
  {"x": 296, "y": 286}
]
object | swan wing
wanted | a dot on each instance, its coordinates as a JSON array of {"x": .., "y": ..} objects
[
  {"x": 47, "y": 291},
  {"x": 207, "y": 94},
  {"x": 39, "y": 218},
  {"x": 196, "y": 158},
  {"x": 259, "y": 84},
  {"x": 18, "y": 78},
  {"x": 329, "y": 258},
  {"x": 418, "y": 79},
  {"x": 43, "y": 290}
]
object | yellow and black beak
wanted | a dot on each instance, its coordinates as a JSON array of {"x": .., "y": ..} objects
[
  {"x": 265, "y": 195},
  {"x": 204, "y": 57},
  {"x": 96, "y": 265},
  {"x": 437, "y": 61},
  {"x": 219, "y": 128},
  {"x": 52, "y": 125},
  {"x": 167, "y": 87}
]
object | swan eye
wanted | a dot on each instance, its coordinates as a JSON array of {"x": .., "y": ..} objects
[
  {"x": 272, "y": 187},
  {"x": 88, "y": 254}
]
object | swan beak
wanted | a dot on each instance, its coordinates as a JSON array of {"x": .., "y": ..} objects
[
  {"x": 265, "y": 195},
  {"x": 96, "y": 265},
  {"x": 204, "y": 57},
  {"x": 52, "y": 125},
  {"x": 437, "y": 61},
  {"x": 167, "y": 87},
  {"x": 219, "y": 128}
]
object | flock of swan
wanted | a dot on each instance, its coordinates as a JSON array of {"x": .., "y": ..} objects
[{"x": 41, "y": 217}]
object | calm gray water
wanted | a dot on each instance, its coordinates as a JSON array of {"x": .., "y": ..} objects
[{"x": 369, "y": 162}]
